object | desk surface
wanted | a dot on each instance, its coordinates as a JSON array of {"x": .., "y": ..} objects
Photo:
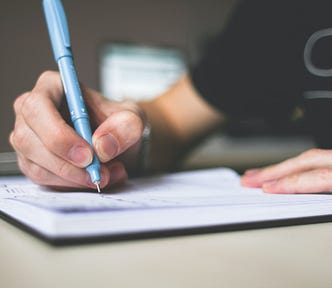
[{"x": 298, "y": 256}]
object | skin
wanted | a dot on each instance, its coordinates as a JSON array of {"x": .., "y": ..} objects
[
  {"x": 51, "y": 153},
  {"x": 49, "y": 150},
  {"x": 310, "y": 172}
]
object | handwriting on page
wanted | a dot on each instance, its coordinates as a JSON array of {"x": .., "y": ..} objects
[{"x": 218, "y": 187}]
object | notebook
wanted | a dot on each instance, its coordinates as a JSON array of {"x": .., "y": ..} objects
[{"x": 191, "y": 202}]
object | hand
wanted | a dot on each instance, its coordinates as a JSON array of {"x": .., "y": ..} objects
[
  {"x": 310, "y": 172},
  {"x": 49, "y": 150}
]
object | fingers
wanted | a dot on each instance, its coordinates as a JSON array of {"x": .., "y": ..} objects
[
  {"x": 51, "y": 153},
  {"x": 45, "y": 168},
  {"x": 49, "y": 84},
  {"x": 306, "y": 173},
  {"x": 42, "y": 176},
  {"x": 113, "y": 173},
  {"x": 313, "y": 181},
  {"x": 40, "y": 114},
  {"x": 26, "y": 143},
  {"x": 121, "y": 130}
]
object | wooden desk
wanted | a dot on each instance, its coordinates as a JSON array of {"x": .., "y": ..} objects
[{"x": 298, "y": 256}]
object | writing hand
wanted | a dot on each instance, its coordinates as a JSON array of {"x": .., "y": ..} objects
[{"x": 49, "y": 150}]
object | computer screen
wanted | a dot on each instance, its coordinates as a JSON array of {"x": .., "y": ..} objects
[{"x": 137, "y": 72}]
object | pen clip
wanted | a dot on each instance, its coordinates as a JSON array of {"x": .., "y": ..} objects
[
  {"x": 58, "y": 27},
  {"x": 60, "y": 17}
]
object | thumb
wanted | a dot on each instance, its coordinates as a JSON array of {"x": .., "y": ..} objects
[{"x": 121, "y": 130}]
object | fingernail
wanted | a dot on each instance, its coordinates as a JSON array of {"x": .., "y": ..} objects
[
  {"x": 80, "y": 155},
  {"x": 249, "y": 182},
  {"x": 106, "y": 147}
]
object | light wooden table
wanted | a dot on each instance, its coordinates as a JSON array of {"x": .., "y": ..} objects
[{"x": 298, "y": 256}]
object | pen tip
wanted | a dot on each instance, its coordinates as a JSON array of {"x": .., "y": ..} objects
[{"x": 98, "y": 187}]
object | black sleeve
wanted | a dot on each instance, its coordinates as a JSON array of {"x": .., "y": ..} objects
[{"x": 255, "y": 67}]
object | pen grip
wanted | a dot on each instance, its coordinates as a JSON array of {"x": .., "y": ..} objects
[
  {"x": 77, "y": 109},
  {"x": 72, "y": 88}
]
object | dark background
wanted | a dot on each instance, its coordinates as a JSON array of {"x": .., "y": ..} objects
[{"x": 25, "y": 49}]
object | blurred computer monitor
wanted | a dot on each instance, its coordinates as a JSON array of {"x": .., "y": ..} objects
[{"x": 137, "y": 72}]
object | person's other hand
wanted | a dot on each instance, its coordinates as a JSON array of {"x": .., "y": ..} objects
[
  {"x": 310, "y": 172},
  {"x": 49, "y": 150}
]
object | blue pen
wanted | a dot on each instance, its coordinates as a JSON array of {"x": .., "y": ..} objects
[{"x": 59, "y": 34}]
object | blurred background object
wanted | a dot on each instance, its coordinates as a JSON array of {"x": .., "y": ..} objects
[
  {"x": 138, "y": 72},
  {"x": 25, "y": 50},
  {"x": 101, "y": 31}
]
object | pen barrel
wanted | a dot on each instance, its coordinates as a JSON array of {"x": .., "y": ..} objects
[
  {"x": 72, "y": 89},
  {"x": 77, "y": 109}
]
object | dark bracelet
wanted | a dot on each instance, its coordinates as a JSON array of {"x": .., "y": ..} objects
[{"x": 143, "y": 157}]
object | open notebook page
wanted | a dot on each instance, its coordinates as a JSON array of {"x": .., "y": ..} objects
[{"x": 185, "y": 200}]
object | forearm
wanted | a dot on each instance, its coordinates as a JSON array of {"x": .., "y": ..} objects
[{"x": 178, "y": 118}]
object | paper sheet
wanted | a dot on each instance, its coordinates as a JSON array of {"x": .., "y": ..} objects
[{"x": 175, "y": 201}]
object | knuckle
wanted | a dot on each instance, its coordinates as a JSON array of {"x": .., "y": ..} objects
[
  {"x": 293, "y": 179},
  {"x": 11, "y": 139},
  {"x": 17, "y": 105},
  {"x": 18, "y": 138},
  {"x": 47, "y": 75},
  {"x": 325, "y": 174},
  {"x": 29, "y": 107},
  {"x": 314, "y": 152}
]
